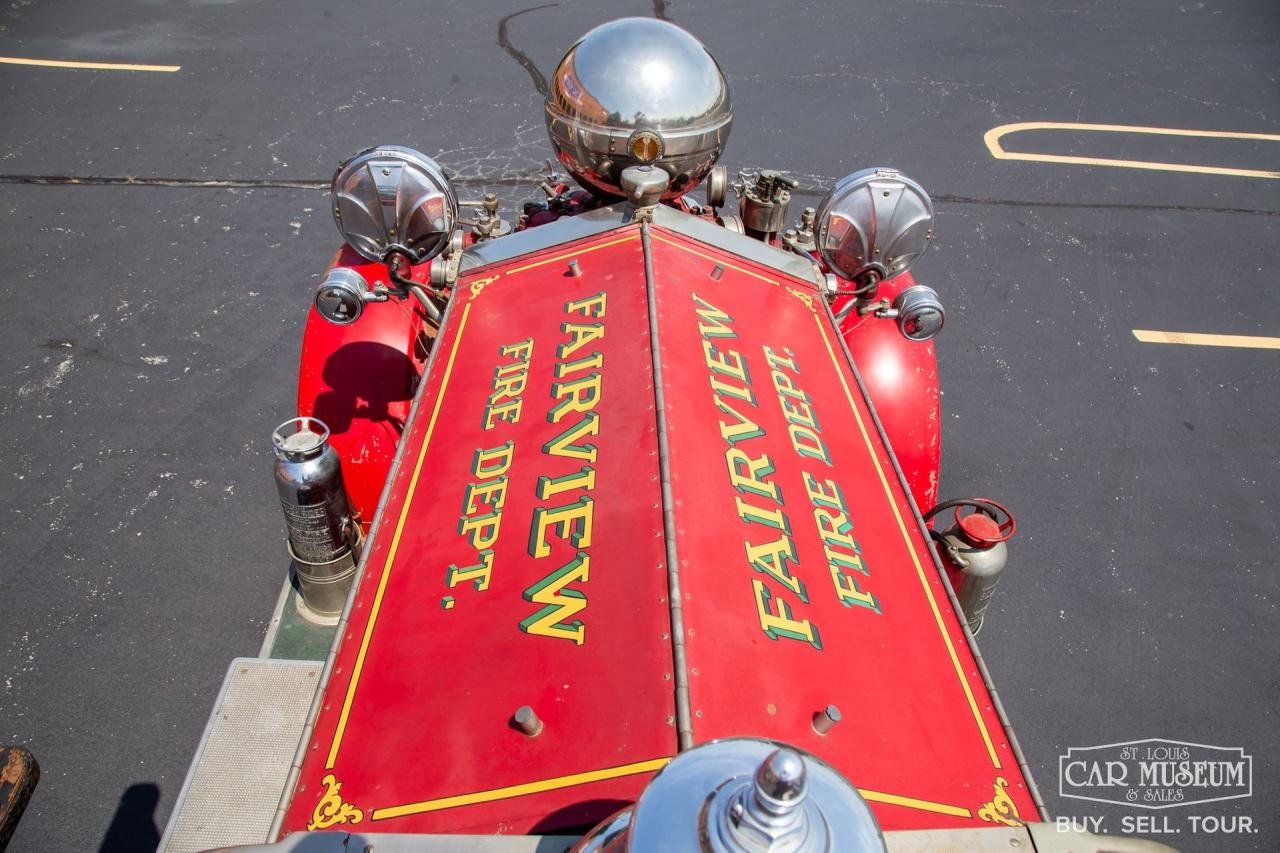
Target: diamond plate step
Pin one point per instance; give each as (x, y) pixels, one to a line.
(233, 788)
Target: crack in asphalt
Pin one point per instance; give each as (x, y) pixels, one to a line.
(228, 183)
(1176, 208)
(539, 81)
(532, 179)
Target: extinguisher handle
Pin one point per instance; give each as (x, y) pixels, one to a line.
(1005, 523)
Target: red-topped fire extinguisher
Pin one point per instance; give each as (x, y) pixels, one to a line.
(973, 551)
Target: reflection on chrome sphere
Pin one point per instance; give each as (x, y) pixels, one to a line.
(634, 91)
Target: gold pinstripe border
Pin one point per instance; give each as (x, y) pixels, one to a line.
(521, 790)
(913, 803)
(391, 552)
(635, 769)
(915, 559)
(634, 235)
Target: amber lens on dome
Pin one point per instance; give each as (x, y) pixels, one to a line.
(645, 149)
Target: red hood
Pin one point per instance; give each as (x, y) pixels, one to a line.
(547, 499)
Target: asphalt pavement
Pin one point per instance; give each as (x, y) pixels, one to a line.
(151, 329)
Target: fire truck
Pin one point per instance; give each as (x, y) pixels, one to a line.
(617, 516)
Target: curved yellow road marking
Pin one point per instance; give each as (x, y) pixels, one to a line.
(993, 136)
(90, 66)
(1148, 336)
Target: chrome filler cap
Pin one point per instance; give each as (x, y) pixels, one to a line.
(747, 794)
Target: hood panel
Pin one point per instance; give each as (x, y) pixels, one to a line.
(806, 580)
(556, 477)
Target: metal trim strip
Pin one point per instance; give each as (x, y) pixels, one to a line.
(565, 230)
(684, 716)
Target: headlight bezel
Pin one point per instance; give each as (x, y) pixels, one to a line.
(873, 220)
(392, 200)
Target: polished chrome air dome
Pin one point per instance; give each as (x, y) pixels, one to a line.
(638, 91)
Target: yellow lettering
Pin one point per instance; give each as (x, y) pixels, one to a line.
(774, 518)
(830, 496)
(563, 368)
(551, 486)
(572, 522)
(771, 558)
(741, 429)
(714, 321)
(721, 387)
(580, 334)
(728, 363)
(493, 462)
(591, 306)
(521, 351)
(798, 412)
(563, 444)
(560, 604)
(509, 381)
(481, 530)
(808, 443)
(478, 574)
(786, 387)
(494, 492)
(747, 474)
(834, 528)
(782, 623)
(577, 395)
(777, 362)
(508, 412)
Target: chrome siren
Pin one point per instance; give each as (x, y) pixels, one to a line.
(874, 220)
(392, 200)
(637, 92)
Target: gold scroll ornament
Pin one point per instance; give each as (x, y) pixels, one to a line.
(1001, 808)
(331, 809)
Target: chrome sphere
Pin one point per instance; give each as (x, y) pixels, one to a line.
(638, 91)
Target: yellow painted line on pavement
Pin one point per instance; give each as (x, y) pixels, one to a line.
(993, 136)
(91, 66)
(1148, 336)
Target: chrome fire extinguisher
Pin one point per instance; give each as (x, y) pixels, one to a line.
(323, 538)
(973, 551)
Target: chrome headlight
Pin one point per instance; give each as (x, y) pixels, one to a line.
(875, 219)
(341, 296)
(389, 200)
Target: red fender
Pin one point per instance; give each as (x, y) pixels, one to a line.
(902, 380)
(360, 380)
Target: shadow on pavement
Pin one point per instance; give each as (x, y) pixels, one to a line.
(133, 826)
